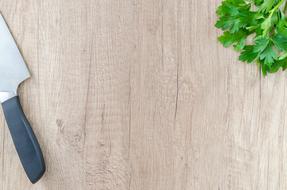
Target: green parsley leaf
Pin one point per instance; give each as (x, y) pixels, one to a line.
(268, 56)
(228, 39)
(261, 42)
(248, 54)
(280, 42)
(257, 29)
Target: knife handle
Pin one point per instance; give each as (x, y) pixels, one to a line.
(24, 139)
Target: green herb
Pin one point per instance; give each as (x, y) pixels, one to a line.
(257, 29)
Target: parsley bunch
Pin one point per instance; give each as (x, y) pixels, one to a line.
(257, 29)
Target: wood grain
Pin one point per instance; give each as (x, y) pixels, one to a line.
(138, 95)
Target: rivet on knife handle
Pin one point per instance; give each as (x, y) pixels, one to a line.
(13, 72)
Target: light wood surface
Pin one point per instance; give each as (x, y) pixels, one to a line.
(138, 95)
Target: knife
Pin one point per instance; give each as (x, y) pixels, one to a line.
(13, 71)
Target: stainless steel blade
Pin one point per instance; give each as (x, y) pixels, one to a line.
(13, 69)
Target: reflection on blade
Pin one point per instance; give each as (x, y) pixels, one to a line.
(12, 66)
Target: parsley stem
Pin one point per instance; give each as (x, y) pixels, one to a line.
(268, 22)
(276, 7)
(285, 8)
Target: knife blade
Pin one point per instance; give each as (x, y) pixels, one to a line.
(13, 71)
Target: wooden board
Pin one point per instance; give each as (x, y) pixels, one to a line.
(138, 95)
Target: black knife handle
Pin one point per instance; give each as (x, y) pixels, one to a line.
(24, 139)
